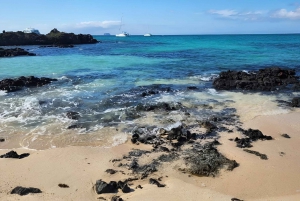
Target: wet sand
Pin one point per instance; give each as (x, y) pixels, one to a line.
(277, 178)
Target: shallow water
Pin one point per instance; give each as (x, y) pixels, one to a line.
(104, 82)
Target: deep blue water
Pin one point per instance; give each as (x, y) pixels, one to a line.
(100, 79)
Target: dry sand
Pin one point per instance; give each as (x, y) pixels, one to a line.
(277, 178)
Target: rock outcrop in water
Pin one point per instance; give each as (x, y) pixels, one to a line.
(11, 85)
(263, 80)
(54, 37)
(14, 52)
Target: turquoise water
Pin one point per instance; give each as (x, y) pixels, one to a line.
(101, 81)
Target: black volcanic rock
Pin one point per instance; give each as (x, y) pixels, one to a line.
(155, 182)
(13, 154)
(103, 187)
(295, 102)
(14, 52)
(25, 191)
(11, 85)
(263, 80)
(55, 37)
(262, 156)
(73, 115)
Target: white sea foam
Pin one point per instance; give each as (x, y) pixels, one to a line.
(119, 139)
(175, 125)
(3, 93)
(113, 110)
(214, 92)
(63, 78)
(205, 78)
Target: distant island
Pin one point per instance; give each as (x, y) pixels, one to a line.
(55, 37)
(106, 34)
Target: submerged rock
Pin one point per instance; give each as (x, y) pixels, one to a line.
(162, 106)
(24, 191)
(13, 154)
(59, 46)
(14, 52)
(263, 80)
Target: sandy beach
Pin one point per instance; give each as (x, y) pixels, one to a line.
(79, 167)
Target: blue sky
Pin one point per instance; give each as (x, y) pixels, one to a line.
(155, 16)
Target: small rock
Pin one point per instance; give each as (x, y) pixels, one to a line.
(63, 185)
(124, 187)
(103, 187)
(139, 186)
(2, 139)
(281, 153)
(13, 154)
(116, 198)
(235, 199)
(25, 191)
(155, 182)
(110, 171)
(285, 135)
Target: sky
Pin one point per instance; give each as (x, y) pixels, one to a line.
(159, 17)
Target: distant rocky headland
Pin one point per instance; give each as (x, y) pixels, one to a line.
(55, 37)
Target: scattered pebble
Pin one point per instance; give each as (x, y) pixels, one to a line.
(63, 185)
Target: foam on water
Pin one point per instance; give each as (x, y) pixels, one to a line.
(215, 92)
(3, 93)
(120, 138)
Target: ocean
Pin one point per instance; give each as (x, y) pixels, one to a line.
(105, 82)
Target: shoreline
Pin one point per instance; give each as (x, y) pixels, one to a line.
(254, 179)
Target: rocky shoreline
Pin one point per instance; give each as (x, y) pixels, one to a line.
(12, 52)
(54, 37)
(194, 152)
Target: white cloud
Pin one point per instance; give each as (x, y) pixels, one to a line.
(223, 13)
(285, 14)
(101, 24)
(237, 15)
